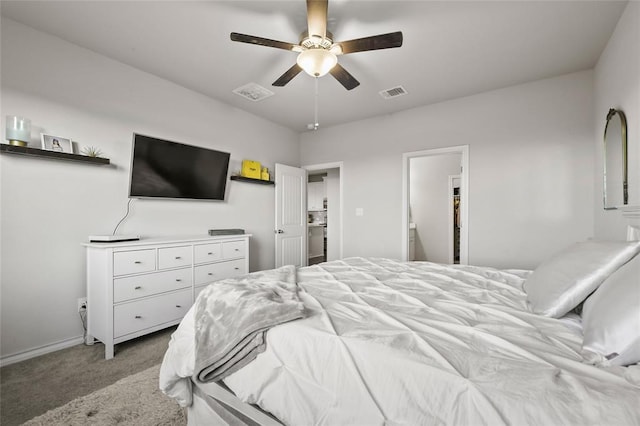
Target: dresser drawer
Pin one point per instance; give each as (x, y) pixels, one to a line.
(174, 257)
(134, 261)
(216, 271)
(234, 268)
(135, 316)
(207, 252)
(204, 274)
(147, 285)
(233, 249)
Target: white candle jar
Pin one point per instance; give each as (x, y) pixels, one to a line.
(18, 130)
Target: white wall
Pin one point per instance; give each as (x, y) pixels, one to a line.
(617, 85)
(48, 208)
(429, 200)
(531, 169)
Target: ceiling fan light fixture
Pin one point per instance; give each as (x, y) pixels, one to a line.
(317, 62)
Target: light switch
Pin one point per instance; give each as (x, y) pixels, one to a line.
(359, 211)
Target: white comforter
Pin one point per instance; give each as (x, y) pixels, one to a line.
(389, 342)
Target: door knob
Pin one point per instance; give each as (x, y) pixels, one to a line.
(279, 231)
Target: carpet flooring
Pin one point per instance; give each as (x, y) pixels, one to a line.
(132, 401)
(32, 387)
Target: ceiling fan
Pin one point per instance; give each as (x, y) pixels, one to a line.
(317, 52)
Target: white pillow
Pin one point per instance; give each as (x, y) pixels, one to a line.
(611, 316)
(560, 283)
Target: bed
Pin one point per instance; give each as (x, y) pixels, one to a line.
(387, 342)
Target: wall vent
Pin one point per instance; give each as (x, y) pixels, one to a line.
(393, 92)
(254, 92)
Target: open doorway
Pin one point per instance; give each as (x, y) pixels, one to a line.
(324, 210)
(453, 222)
(435, 203)
(317, 217)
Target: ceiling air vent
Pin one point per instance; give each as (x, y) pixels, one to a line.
(254, 92)
(393, 92)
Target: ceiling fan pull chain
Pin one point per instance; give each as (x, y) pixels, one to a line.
(315, 117)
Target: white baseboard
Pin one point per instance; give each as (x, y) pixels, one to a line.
(32, 353)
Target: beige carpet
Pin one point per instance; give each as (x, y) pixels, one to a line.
(31, 388)
(134, 400)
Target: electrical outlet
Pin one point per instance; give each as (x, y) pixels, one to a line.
(82, 304)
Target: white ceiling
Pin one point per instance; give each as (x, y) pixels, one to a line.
(451, 48)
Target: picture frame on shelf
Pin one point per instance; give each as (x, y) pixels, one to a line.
(56, 143)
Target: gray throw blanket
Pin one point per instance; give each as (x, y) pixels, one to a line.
(233, 316)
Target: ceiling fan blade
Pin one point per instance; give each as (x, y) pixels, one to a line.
(244, 38)
(343, 76)
(287, 76)
(317, 18)
(381, 41)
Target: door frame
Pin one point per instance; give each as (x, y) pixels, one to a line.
(464, 197)
(451, 223)
(336, 165)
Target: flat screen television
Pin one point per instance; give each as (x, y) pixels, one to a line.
(165, 169)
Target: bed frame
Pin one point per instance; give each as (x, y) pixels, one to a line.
(215, 403)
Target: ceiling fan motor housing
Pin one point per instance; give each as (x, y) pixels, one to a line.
(316, 41)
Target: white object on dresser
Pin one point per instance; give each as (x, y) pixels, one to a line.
(138, 287)
(112, 238)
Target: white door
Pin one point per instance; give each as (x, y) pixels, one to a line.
(291, 216)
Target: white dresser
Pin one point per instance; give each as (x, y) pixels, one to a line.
(138, 287)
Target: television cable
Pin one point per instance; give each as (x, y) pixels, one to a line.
(125, 216)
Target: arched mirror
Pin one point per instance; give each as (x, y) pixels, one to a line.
(615, 160)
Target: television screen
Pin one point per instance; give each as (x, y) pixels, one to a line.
(165, 169)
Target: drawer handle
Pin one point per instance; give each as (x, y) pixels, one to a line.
(236, 268)
(137, 262)
(210, 254)
(178, 257)
(138, 287)
(209, 273)
(138, 317)
(178, 279)
(178, 306)
(237, 249)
